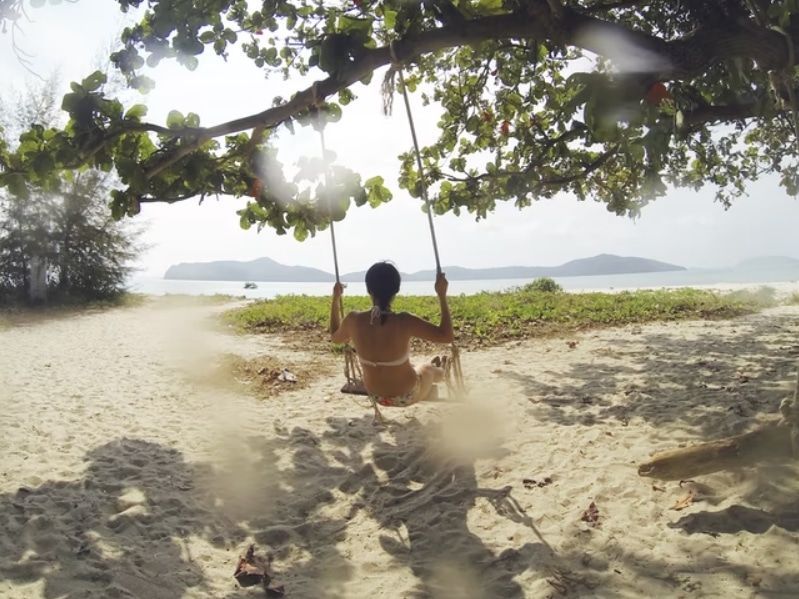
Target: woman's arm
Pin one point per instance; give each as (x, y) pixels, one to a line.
(342, 333)
(443, 333)
(446, 320)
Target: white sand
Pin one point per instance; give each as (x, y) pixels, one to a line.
(122, 475)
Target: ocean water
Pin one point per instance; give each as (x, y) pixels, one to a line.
(655, 280)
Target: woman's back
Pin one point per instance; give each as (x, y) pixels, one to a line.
(383, 349)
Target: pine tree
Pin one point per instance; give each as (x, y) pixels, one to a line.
(88, 255)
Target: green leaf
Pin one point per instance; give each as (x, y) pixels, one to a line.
(490, 6)
(376, 193)
(332, 112)
(389, 18)
(136, 112)
(175, 119)
(515, 100)
(71, 101)
(142, 83)
(192, 120)
(94, 81)
(300, 232)
(345, 96)
(637, 152)
(348, 24)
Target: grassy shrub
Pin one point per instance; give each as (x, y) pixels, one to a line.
(544, 285)
(494, 317)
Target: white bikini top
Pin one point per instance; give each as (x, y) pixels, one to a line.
(397, 362)
(377, 313)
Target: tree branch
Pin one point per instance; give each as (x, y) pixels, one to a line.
(717, 114)
(679, 59)
(587, 170)
(676, 59)
(562, 180)
(176, 156)
(147, 199)
(599, 7)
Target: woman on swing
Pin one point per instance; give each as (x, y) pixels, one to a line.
(382, 339)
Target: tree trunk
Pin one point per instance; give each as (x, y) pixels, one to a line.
(37, 290)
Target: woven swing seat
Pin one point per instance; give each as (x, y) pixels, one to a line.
(352, 373)
(354, 388)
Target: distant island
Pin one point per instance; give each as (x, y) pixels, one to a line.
(766, 263)
(268, 270)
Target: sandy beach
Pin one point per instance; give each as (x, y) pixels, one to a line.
(128, 471)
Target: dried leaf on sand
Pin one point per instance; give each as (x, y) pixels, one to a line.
(686, 501)
(591, 515)
(253, 569)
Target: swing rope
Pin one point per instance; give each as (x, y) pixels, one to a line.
(453, 373)
(419, 165)
(352, 370)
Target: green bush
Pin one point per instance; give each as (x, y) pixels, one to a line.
(543, 285)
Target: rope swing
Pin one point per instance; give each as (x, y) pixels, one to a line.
(453, 374)
(352, 369)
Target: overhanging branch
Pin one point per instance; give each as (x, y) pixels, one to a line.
(680, 58)
(563, 179)
(707, 115)
(671, 60)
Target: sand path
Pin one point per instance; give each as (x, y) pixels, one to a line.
(122, 474)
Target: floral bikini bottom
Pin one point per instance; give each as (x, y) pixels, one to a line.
(399, 401)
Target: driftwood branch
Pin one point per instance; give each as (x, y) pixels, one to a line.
(777, 440)
(772, 442)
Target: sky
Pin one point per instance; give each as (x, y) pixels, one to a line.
(685, 227)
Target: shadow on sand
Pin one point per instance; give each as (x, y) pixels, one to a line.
(127, 526)
(123, 529)
(711, 384)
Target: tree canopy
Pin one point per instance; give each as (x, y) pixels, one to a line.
(609, 100)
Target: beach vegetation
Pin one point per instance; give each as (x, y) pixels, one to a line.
(792, 299)
(492, 318)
